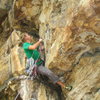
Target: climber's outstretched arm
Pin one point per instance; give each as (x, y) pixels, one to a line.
(34, 46)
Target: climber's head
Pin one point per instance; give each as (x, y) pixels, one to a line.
(26, 37)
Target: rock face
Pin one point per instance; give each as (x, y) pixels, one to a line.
(71, 33)
(30, 90)
(11, 62)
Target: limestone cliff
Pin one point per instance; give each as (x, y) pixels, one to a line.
(71, 33)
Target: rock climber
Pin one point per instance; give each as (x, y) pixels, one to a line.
(30, 49)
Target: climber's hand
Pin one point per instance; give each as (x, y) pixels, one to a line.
(34, 46)
(40, 40)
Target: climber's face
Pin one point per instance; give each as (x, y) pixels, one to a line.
(27, 37)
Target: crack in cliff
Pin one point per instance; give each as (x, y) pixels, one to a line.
(88, 53)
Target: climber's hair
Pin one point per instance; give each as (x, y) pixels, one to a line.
(23, 36)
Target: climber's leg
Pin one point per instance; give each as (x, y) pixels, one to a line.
(45, 71)
(64, 86)
(61, 84)
(54, 78)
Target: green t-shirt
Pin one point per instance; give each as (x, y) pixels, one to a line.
(31, 53)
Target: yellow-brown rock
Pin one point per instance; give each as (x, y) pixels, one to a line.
(12, 57)
(71, 33)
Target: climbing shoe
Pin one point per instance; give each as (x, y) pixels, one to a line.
(68, 88)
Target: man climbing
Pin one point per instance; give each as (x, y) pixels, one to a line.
(31, 51)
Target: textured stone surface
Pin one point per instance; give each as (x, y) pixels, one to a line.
(12, 58)
(71, 33)
(29, 91)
